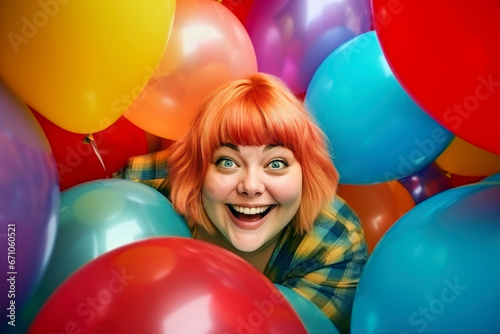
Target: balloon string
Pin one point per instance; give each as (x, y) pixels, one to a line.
(90, 139)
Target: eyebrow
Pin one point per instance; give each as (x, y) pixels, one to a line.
(231, 146)
(270, 146)
(234, 147)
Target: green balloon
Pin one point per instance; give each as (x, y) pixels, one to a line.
(96, 217)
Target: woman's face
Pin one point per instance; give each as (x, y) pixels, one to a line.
(250, 193)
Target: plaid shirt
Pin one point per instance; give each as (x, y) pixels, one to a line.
(323, 265)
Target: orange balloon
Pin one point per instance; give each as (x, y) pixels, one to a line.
(208, 46)
(378, 206)
(466, 159)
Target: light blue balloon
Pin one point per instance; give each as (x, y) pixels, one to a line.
(96, 217)
(314, 320)
(436, 270)
(377, 132)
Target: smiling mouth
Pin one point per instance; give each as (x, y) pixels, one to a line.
(250, 214)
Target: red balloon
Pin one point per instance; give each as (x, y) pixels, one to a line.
(461, 180)
(446, 55)
(167, 285)
(77, 161)
(239, 8)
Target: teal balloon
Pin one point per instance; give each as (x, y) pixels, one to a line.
(436, 269)
(377, 132)
(314, 320)
(96, 217)
(492, 178)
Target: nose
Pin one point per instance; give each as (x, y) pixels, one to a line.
(251, 184)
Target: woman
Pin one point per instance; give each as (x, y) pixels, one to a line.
(253, 175)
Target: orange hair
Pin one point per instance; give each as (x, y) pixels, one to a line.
(257, 110)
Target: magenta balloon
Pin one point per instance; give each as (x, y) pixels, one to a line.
(292, 37)
(29, 203)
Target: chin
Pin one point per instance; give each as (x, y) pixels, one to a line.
(246, 247)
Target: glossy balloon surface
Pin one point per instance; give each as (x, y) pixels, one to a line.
(208, 47)
(29, 203)
(445, 54)
(78, 62)
(292, 37)
(97, 217)
(427, 182)
(377, 132)
(314, 320)
(378, 206)
(466, 159)
(436, 269)
(168, 285)
(79, 161)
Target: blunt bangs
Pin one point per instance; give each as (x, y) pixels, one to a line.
(255, 116)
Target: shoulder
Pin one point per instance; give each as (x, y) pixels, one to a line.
(149, 169)
(324, 265)
(335, 239)
(336, 229)
(338, 222)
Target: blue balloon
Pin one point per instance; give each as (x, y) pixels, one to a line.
(96, 217)
(314, 320)
(377, 132)
(436, 270)
(492, 178)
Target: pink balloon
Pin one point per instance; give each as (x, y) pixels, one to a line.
(292, 37)
(208, 46)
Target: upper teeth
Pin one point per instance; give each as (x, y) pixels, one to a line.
(250, 211)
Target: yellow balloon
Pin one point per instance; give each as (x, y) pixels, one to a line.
(81, 63)
(466, 159)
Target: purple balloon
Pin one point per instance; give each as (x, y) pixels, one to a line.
(425, 183)
(291, 38)
(29, 203)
